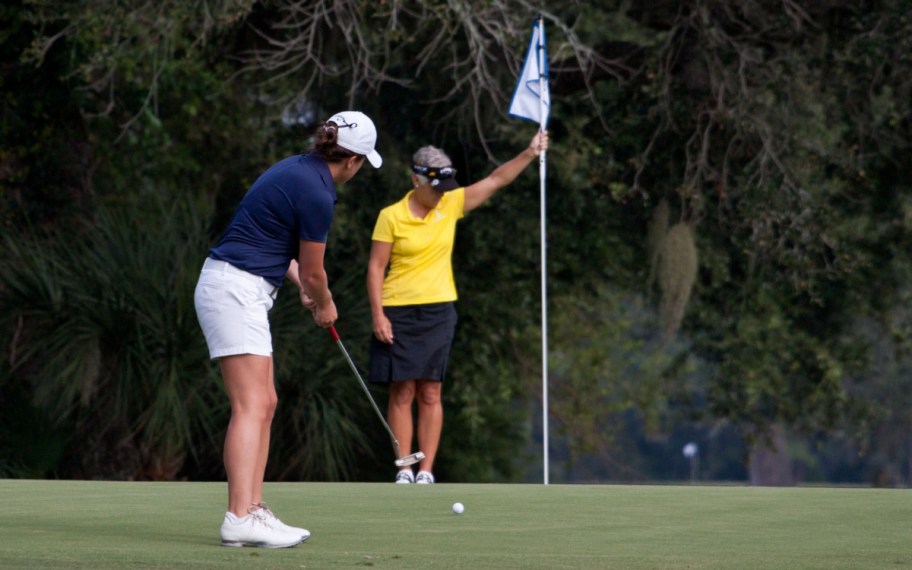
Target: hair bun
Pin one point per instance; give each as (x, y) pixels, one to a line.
(331, 130)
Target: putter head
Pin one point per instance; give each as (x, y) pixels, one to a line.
(410, 459)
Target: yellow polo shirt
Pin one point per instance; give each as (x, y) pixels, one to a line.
(420, 268)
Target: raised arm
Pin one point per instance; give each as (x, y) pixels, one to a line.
(479, 192)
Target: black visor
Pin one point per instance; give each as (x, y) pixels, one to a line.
(443, 178)
(444, 185)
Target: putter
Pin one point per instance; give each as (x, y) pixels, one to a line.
(400, 461)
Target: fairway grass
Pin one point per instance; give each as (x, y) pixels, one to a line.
(89, 524)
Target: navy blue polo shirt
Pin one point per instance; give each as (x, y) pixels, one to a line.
(293, 200)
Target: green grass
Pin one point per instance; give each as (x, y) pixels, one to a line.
(87, 524)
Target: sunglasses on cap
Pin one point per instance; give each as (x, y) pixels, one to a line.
(438, 172)
(441, 178)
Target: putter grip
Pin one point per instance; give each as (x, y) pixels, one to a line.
(332, 331)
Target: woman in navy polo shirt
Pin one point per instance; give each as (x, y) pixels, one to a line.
(279, 231)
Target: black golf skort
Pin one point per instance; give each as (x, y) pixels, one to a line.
(422, 338)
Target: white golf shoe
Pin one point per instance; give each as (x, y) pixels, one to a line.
(256, 530)
(405, 477)
(263, 509)
(424, 478)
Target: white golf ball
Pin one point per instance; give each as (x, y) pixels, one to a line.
(458, 508)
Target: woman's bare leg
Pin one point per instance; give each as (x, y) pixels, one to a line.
(264, 440)
(251, 391)
(399, 413)
(430, 421)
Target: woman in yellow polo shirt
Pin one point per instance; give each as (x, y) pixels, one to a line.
(412, 304)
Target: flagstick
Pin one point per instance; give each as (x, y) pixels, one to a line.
(522, 105)
(544, 257)
(544, 317)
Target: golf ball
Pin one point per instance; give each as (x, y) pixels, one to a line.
(458, 508)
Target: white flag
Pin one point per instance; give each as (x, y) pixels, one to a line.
(531, 99)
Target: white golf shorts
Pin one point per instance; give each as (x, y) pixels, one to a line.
(232, 306)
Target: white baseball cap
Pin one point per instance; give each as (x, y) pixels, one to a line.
(358, 134)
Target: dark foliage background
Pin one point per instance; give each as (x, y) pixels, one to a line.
(728, 214)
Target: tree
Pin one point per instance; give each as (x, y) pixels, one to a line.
(772, 135)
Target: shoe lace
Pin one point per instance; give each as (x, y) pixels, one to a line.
(262, 506)
(261, 514)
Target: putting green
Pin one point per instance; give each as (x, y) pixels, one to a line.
(87, 524)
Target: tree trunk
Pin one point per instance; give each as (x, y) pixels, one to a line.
(770, 464)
